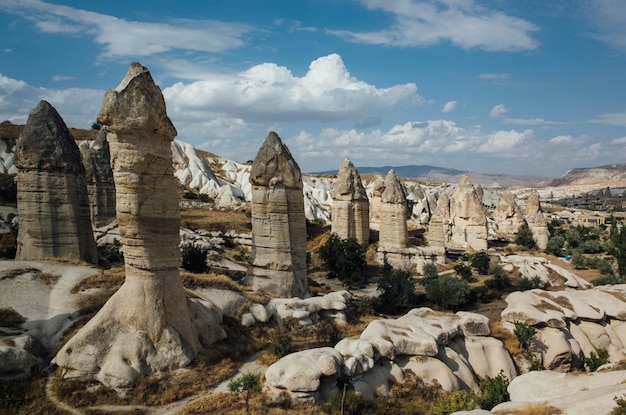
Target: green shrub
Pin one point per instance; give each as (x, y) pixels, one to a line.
(203, 197)
(345, 259)
(281, 344)
(349, 403)
(524, 237)
(594, 361)
(556, 246)
(533, 361)
(460, 400)
(480, 261)
(112, 253)
(464, 271)
(525, 283)
(397, 291)
(500, 280)
(620, 408)
(448, 292)
(190, 195)
(430, 273)
(194, 259)
(578, 260)
(524, 332)
(608, 280)
(493, 391)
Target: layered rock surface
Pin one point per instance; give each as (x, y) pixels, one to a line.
(469, 222)
(148, 325)
(393, 233)
(350, 217)
(99, 176)
(51, 193)
(278, 257)
(536, 221)
(507, 215)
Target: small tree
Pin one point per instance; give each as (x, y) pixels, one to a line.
(524, 237)
(463, 271)
(524, 333)
(480, 261)
(345, 259)
(493, 391)
(430, 273)
(617, 247)
(397, 290)
(246, 385)
(447, 292)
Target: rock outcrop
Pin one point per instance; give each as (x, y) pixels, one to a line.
(393, 233)
(453, 350)
(536, 221)
(99, 176)
(52, 200)
(507, 216)
(468, 219)
(440, 226)
(148, 325)
(278, 257)
(350, 217)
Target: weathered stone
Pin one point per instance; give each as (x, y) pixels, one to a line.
(278, 257)
(350, 214)
(52, 200)
(468, 220)
(507, 216)
(393, 232)
(99, 176)
(148, 325)
(302, 371)
(440, 226)
(536, 221)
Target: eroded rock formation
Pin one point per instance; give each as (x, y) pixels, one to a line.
(440, 226)
(536, 221)
(148, 325)
(468, 220)
(393, 232)
(99, 176)
(507, 215)
(350, 217)
(278, 258)
(52, 197)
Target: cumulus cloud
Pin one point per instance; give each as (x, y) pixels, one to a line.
(463, 23)
(270, 92)
(77, 106)
(608, 19)
(449, 106)
(612, 118)
(498, 111)
(120, 37)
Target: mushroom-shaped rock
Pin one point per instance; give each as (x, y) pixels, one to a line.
(350, 214)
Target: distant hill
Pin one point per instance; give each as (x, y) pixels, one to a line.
(611, 175)
(446, 175)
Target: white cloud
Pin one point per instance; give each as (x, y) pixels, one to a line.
(620, 141)
(612, 118)
(528, 121)
(58, 78)
(8, 50)
(121, 37)
(561, 139)
(608, 18)
(77, 106)
(268, 92)
(462, 23)
(498, 111)
(449, 106)
(493, 76)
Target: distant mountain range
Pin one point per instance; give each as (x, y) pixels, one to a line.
(610, 175)
(445, 175)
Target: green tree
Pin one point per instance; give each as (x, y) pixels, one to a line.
(617, 247)
(556, 245)
(500, 280)
(397, 290)
(447, 291)
(345, 259)
(463, 271)
(525, 238)
(480, 261)
(246, 385)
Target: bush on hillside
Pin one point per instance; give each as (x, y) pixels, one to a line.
(524, 237)
(345, 259)
(194, 259)
(480, 261)
(448, 292)
(397, 291)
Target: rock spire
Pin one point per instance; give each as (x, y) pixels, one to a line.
(350, 217)
(278, 257)
(52, 197)
(393, 232)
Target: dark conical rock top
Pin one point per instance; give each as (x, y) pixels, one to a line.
(46, 143)
(348, 185)
(274, 165)
(394, 190)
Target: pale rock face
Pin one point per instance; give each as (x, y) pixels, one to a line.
(148, 325)
(536, 221)
(99, 175)
(52, 200)
(393, 232)
(350, 217)
(278, 257)
(377, 187)
(507, 215)
(440, 226)
(301, 371)
(468, 219)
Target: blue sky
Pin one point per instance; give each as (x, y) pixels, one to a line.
(503, 86)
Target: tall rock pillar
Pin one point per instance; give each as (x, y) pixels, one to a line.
(148, 325)
(469, 222)
(52, 201)
(99, 176)
(393, 232)
(278, 257)
(350, 217)
(536, 221)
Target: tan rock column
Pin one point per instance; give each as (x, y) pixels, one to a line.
(350, 217)
(52, 201)
(536, 221)
(278, 257)
(469, 222)
(393, 232)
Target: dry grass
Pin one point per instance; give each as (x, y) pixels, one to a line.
(16, 272)
(10, 318)
(27, 398)
(505, 336)
(228, 403)
(107, 279)
(216, 220)
(211, 280)
(540, 408)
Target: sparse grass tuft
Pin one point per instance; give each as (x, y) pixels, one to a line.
(540, 408)
(211, 280)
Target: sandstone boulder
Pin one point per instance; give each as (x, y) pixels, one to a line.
(278, 257)
(52, 200)
(350, 214)
(302, 371)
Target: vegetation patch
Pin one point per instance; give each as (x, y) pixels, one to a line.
(211, 280)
